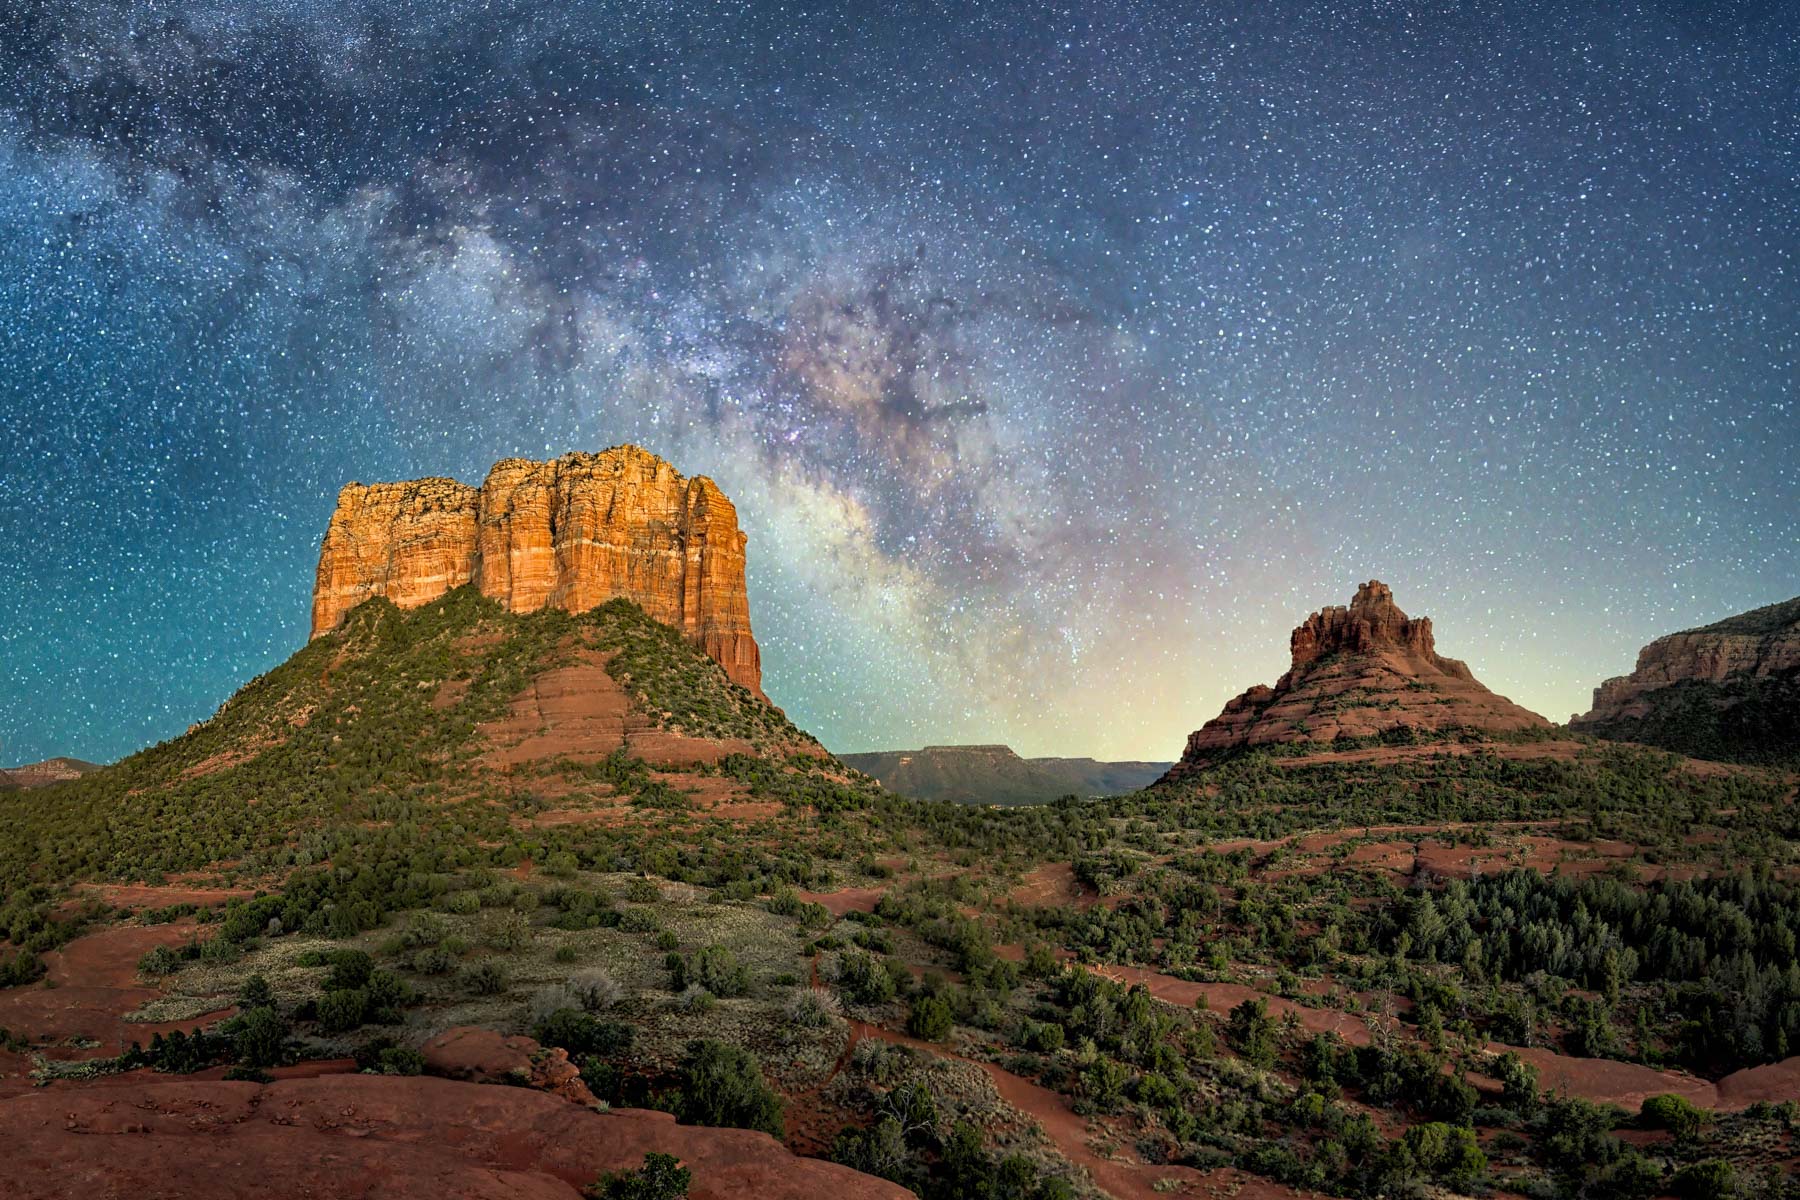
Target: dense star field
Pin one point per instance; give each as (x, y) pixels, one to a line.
(1059, 358)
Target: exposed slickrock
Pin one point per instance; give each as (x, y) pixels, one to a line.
(571, 533)
(1727, 689)
(580, 712)
(369, 1136)
(1358, 671)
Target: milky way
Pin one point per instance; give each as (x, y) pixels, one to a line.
(1059, 358)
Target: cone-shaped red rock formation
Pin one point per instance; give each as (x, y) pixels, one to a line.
(571, 533)
(1357, 671)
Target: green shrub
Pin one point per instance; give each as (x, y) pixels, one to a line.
(158, 962)
(1713, 1179)
(864, 980)
(639, 920)
(507, 930)
(930, 1019)
(723, 1085)
(433, 960)
(485, 978)
(399, 1060)
(463, 904)
(256, 994)
(580, 1033)
(718, 971)
(258, 1036)
(26, 967)
(662, 1177)
(343, 1009)
(1446, 1152)
(1252, 1033)
(1677, 1114)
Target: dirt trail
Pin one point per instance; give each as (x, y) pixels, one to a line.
(137, 895)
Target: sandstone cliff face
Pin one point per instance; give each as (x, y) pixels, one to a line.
(1357, 671)
(1760, 644)
(571, 533)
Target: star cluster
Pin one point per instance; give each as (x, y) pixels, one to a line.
(1059, 357)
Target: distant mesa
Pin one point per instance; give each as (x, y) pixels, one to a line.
(570, 533)
(42, 774)
(1360, 671)
(996, 775)
(1729, 690)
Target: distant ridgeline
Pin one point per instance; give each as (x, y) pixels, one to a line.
(42, 774)
(996, 775)
(1728, 691)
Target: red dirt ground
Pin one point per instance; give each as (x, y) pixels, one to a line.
(846, 900)
(581, 712)
(135, 895)
(1055, 883)
(1223, 997)
(90, 985)
(364, 1136)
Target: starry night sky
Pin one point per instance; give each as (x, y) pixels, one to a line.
(1059, 357)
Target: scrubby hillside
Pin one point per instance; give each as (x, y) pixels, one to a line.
(1426, 963)
(383, 731)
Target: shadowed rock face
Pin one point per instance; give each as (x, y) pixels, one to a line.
(1357, 671)
(571, 533)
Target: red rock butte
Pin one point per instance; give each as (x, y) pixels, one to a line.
(571, 533)
(1359, 671)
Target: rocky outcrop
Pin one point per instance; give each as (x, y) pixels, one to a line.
(1727, 690)
(571, 533)
(1762, 643)
(996, 775)
(42, 774)
(1364, 670)
(476, 1055)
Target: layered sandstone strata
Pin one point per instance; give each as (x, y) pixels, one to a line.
(1763, 644)
(1364, 670)
(571, 533)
